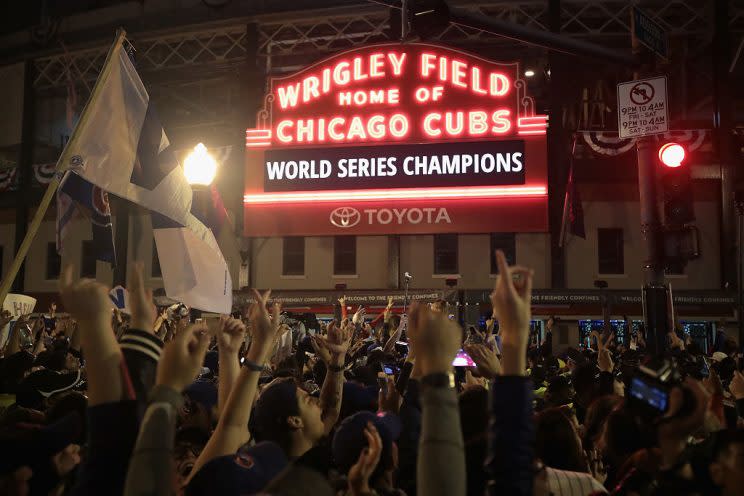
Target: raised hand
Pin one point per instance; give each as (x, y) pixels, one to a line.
(488, 363)
(140, 299)
(511, 300)
(737, 385)
(230, 335)
(86, 300)
(318, 344)
(358, 317)
(265, 327)
(337, 341)
(388, 398)
(363, 469)
(435, 339)
(182, 358)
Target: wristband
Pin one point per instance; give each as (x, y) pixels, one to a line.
(336, 368)
(251, 365)
(438, 380)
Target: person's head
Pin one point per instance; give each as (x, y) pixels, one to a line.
(557, 442)
(596, 416)
(622, 436)
(349, 441)
(246, 472)
(474, 415)
(200, 401)
(550, 323)
(439, 306)
(288, 416)
(560, 391)
(730, 347)
(727, 466)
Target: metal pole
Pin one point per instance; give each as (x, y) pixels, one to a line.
(740, 267)
(654, 290)
(723, 123)
(404, 20)
(545, 39)
(24, 167)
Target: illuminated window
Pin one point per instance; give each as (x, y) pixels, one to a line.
(445, 254)
(293, 256)
(506, 242)
(53, 262)
(344, 255)
(610, 250)
(87, 260)
(156, 270)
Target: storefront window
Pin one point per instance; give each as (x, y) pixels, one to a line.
(344, 255)
(293, 258)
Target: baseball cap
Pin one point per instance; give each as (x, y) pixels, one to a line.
(719, 356)
(277, 401)
(202, 392)
(246, 472)
(349, 440)
(33, 444)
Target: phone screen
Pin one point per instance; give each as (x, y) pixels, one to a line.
(649, 394)
(462, 359)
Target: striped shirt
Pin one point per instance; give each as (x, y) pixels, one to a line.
(564, 483)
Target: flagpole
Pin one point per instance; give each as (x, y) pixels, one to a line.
(62, 164)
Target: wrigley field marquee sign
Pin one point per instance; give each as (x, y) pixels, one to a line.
(397, 138)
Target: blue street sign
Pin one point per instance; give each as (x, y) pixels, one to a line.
(650, 33)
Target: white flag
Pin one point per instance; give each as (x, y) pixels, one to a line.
(121, 147)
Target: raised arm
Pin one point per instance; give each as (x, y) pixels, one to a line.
(89, 303)
(149, 470)
(336, 342)
(232, 427)
(440, 468)
(230, 336)
(511, 452)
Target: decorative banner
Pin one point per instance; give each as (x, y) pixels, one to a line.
(414, 138)
(9, 179)
(610, 144)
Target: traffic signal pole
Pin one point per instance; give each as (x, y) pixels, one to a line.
(655, 313)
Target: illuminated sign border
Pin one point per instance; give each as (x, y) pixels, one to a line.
(528, 125)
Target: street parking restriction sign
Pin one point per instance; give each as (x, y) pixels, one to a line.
(642, 108)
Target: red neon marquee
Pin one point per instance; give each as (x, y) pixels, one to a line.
(393, 93)
(355, 107)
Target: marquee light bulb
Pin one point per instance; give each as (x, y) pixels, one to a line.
(200, 167)
(529, 73)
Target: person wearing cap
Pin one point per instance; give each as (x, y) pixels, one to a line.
(282, 405)
(350, 442)
(149, 469)
(289, 416)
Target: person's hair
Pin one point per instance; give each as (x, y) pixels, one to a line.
(624, 435)
(556, 442)
(725, 439)
(730, 347)
(288, 368)
(596, 416)
(474, 415)
(278, 430)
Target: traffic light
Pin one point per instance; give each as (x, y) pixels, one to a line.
(676, 184)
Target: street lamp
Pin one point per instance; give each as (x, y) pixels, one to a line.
(200, 167)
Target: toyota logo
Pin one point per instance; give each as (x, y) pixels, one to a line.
(345, 217)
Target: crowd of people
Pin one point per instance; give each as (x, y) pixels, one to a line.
(151, 403)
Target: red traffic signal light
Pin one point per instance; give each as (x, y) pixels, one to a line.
(672, 154)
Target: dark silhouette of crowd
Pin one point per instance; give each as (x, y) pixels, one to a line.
(262, 402)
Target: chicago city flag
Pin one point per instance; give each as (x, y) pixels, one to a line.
(120, 147)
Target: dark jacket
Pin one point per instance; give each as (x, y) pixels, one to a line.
(511, 455)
